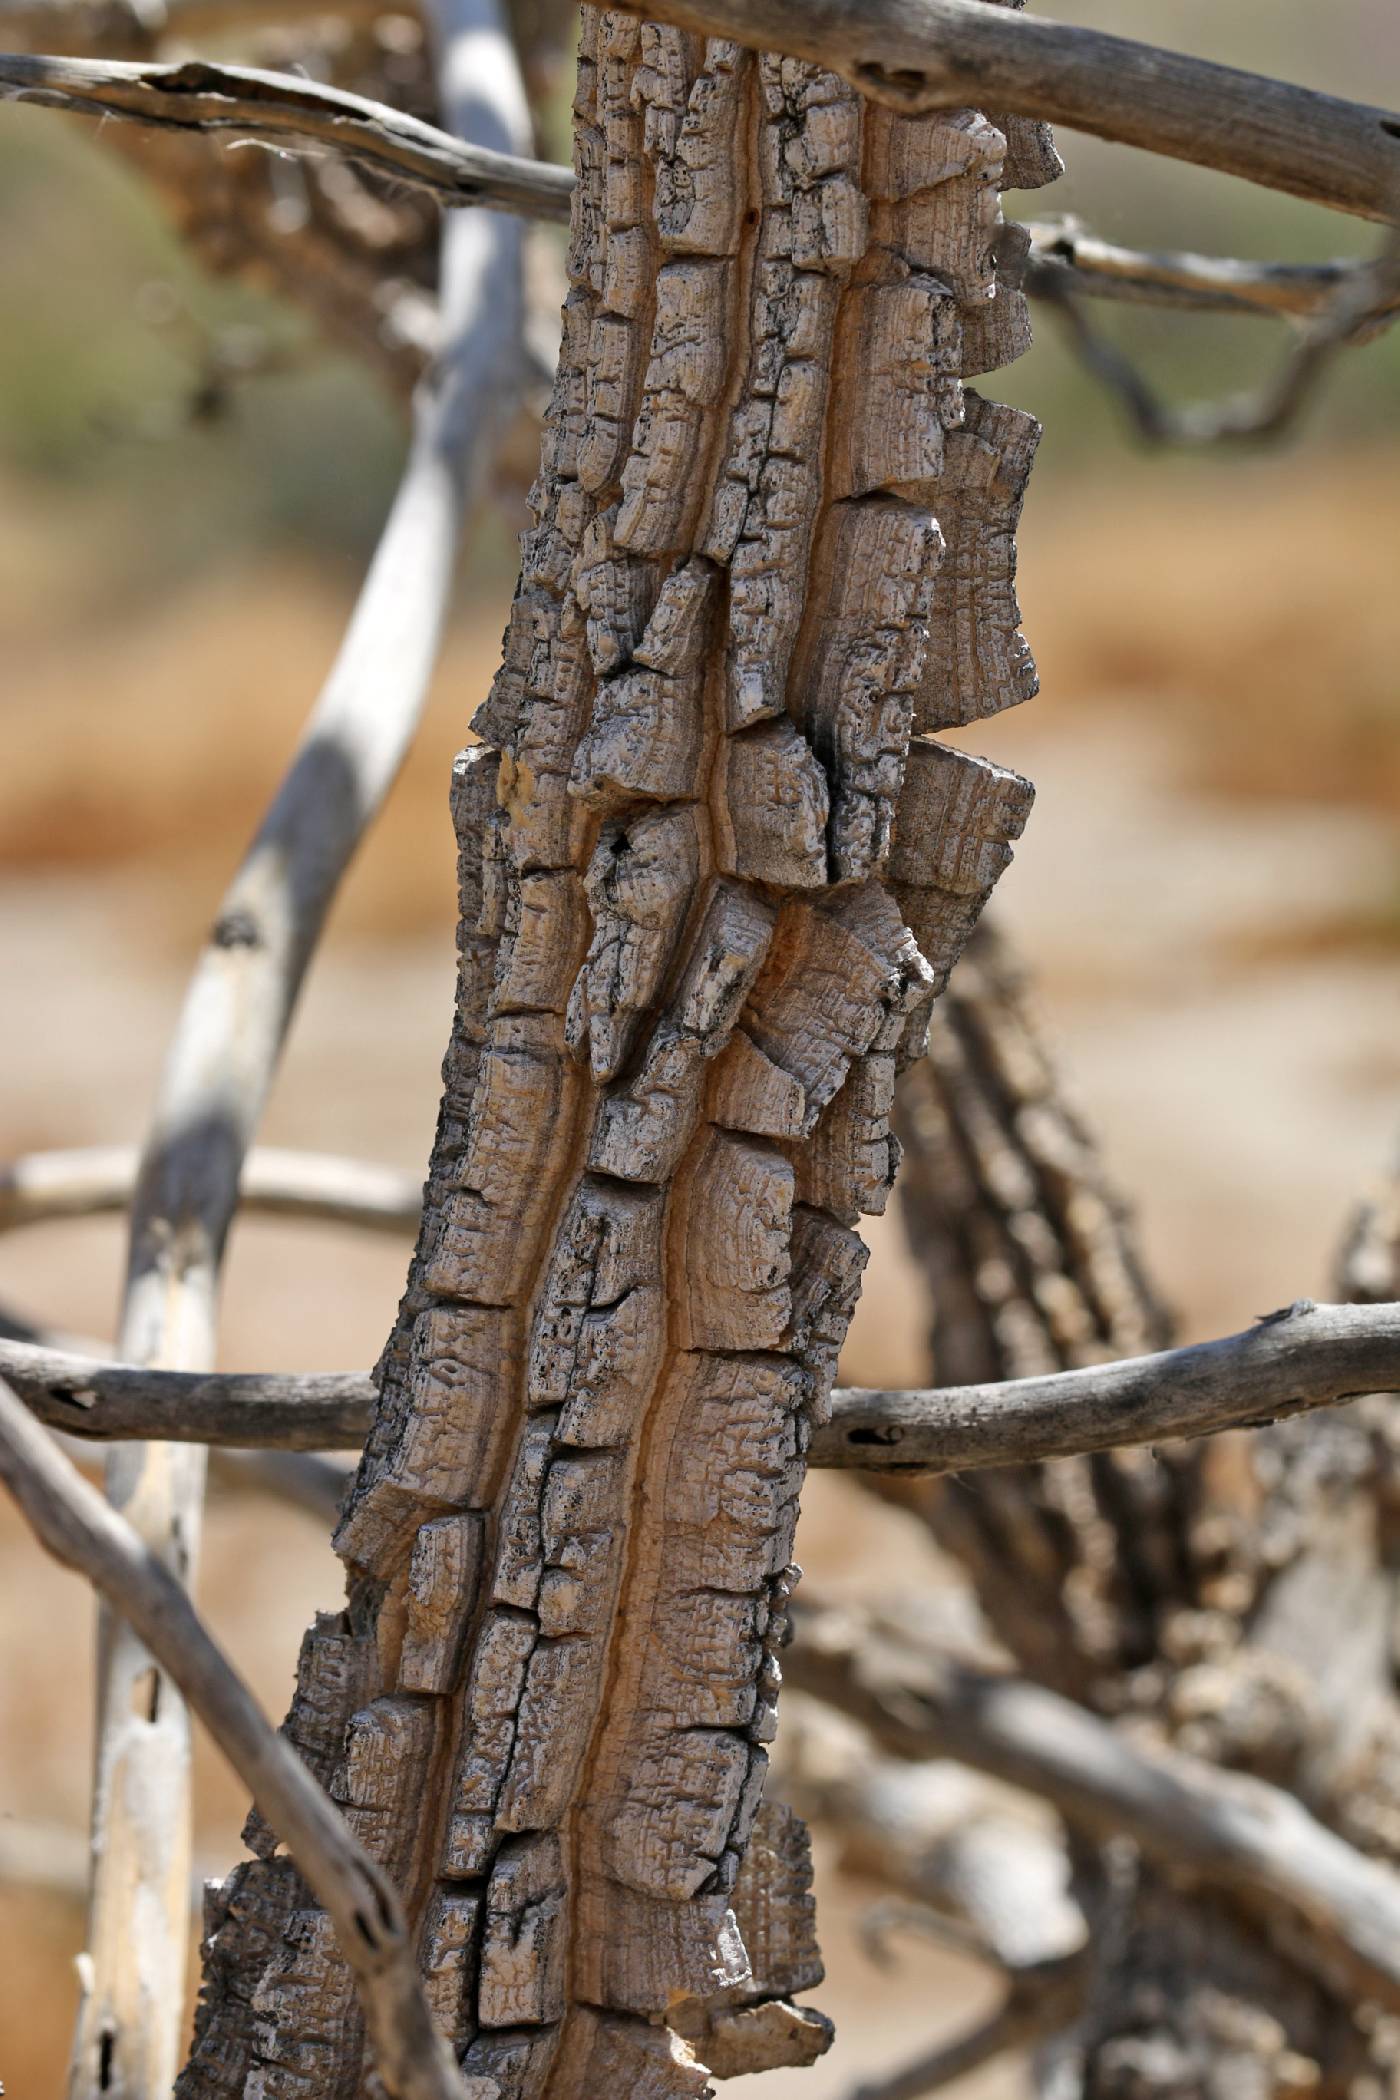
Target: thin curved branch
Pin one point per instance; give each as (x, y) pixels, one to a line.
(280, 110)
(943, 54)
(136, 25)
(1368, 294)
(1024, 2016)
(89, 1181)
(78, 1528)
(1304, 1357)
(1065, 257)
(1234, 1831)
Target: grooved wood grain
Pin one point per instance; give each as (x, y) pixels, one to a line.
(714, 869)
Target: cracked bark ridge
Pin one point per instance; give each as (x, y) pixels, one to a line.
(695, 838)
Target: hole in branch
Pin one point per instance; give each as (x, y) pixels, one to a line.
(899, 80)
(145, 1696)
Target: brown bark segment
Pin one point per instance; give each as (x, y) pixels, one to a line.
(684, 991)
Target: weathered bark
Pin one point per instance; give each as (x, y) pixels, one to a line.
(690, 842)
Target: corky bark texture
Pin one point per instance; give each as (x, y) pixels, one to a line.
(1234, 1598)
(715, 866)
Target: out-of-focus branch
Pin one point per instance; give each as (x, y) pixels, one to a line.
(235, 1018)
(944, 54)
(111, 26)
(280, 110)
(1031, 2010)
(1234, 1831)
(92, 1180)
(1368, 293)
(1065, 258)
(78, 1527)
(1368, 1261)
(1304, 1357)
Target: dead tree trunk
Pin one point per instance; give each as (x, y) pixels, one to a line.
(710, 886)
(1234, 1598)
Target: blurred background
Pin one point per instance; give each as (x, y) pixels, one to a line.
(1209, 889)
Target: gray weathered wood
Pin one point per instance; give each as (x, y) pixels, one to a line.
(1310, 1356)
(1304, 1356)
(943, 54)
(1068, 257)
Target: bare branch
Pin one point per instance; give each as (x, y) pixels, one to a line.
(110, 1402)
(76, 1525)
(1368, 1260)
(1029, 2012)
(136, 25)
(90, 1180)
(942, 54)
(1065, 257)
(234, 1021)
(279, 109)
(915, 54)
(1367, 293)
(1234, 1831)
(1304, 1357)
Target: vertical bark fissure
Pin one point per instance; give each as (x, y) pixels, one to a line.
(707, 799)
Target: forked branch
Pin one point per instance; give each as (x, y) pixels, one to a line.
(1359, 301)
(75, 1524)
(1066, 257)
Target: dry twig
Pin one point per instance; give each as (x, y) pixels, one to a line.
(1304, 1356)
(111, 26)
(1366, 294)
(281, 110)
(1027, 2014)
(1065, 256)
(77, 1526)
(91, 1180)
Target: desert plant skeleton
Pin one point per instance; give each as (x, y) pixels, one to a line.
(715, 868)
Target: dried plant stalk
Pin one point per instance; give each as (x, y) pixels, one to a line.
(707, 801)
